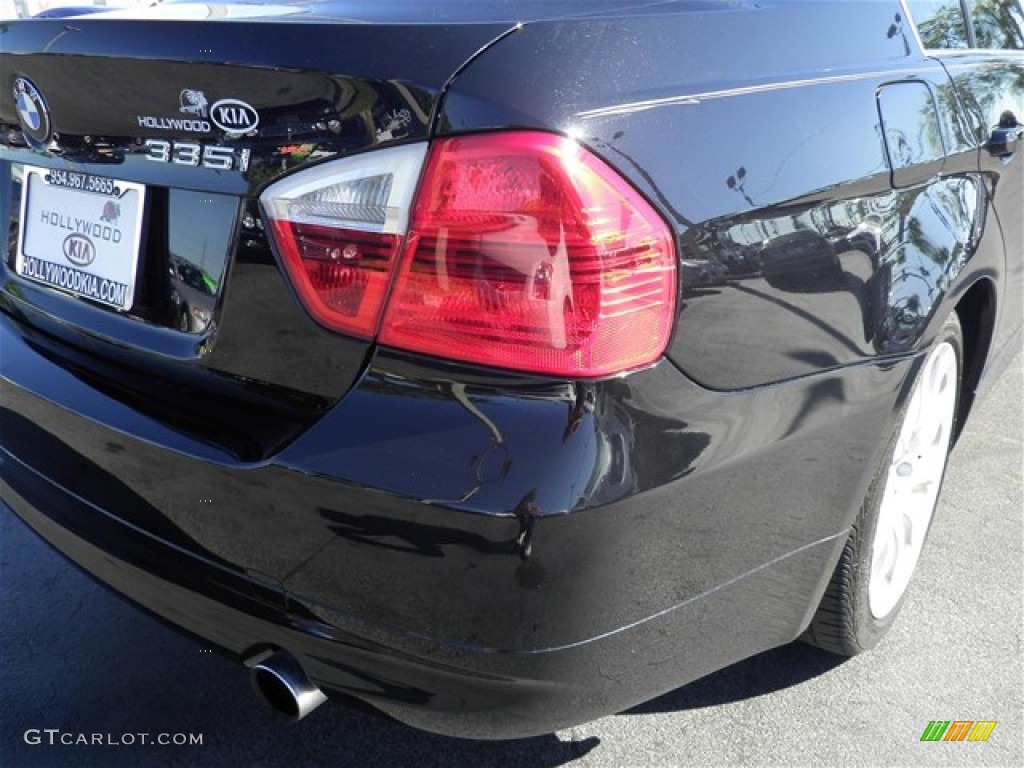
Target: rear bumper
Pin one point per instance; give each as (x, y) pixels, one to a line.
(455, 691)
(482, 613)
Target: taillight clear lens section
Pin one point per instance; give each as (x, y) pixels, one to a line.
(339, 229)
(528, 253)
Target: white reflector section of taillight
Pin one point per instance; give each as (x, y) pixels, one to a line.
(339, 227)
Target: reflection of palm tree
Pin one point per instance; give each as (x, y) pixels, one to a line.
(902, 152)
(896, 28)
(946, 29)
(923, 244)
(979, 89)
(999, 24)
(737, 182)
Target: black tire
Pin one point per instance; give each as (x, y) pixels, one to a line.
(844, 623)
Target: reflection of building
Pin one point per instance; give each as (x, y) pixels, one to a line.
(894, 252)
(842, 215)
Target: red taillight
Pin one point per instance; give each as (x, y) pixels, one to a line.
(341, 275)
(523, 252)
(526, 252)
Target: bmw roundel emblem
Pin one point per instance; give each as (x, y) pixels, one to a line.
(32, 112)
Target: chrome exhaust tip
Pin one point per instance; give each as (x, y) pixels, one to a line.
(278, 679)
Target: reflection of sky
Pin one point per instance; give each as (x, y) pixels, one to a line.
(200, 229)
(798, 156)
(784, 158)
(191, 11)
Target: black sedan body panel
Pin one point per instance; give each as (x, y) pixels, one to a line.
(480, 552)
(725, 121)
(225, 382)
(443, 611)
(990, 87)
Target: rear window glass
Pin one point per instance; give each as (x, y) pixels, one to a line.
(940, 23)
(998, 24)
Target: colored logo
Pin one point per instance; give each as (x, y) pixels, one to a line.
(958, 730)
(79, 250)
(32, 112)
(234, 116)
(111, 212)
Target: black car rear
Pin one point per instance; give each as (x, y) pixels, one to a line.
(398, 368)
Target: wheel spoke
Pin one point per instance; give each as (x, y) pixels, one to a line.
(912, 483)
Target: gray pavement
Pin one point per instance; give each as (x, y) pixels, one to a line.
(77, 659)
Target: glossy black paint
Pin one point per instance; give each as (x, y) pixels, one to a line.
(780, 150)
(215, 353)
(990, 87)
(479, 553)
(514, 603)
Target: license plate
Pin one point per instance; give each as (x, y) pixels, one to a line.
(80, 233)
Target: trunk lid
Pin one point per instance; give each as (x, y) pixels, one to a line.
(161, 135)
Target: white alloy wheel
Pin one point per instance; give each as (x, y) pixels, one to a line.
(914, 478)
(871, 576)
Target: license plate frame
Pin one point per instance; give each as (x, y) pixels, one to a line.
(80, 233)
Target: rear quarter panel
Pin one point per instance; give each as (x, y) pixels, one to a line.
(824, 189)
(990, 84)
